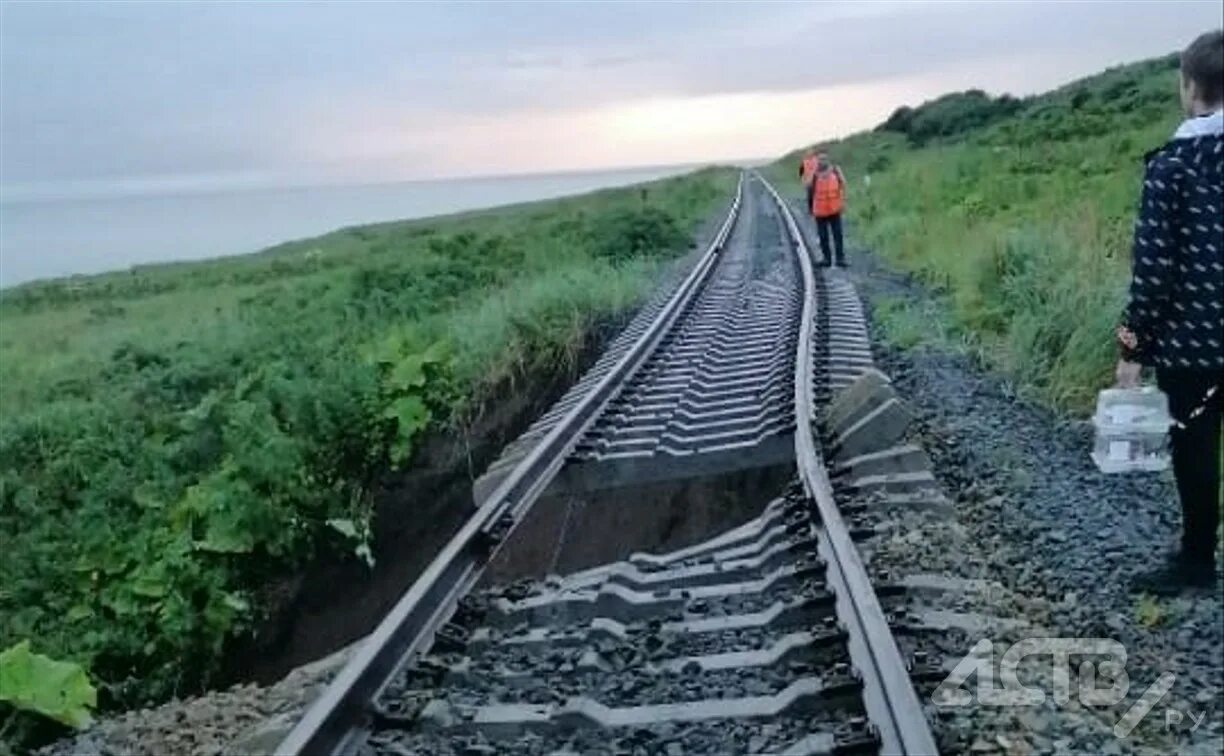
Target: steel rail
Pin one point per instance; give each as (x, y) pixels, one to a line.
(335, 718)
(891, 702)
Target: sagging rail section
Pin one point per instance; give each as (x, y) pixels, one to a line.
(339, 721)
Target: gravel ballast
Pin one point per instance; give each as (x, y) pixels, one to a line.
(244, 719)
(1056, 544)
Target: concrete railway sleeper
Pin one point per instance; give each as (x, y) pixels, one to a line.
(766, 638)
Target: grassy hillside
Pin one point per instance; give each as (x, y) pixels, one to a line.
(1019, 212)
(174, 435)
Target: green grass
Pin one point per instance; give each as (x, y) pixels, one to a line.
(174, 436)
(1018, 213)
(907, 323)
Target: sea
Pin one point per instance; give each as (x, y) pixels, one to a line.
(49, 237)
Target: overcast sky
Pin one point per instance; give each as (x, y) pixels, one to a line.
(260, 93)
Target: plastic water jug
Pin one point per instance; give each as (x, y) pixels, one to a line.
(1132, 430)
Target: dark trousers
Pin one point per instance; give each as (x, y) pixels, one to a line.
(1196, 456)
(823, 226)
(810, 190)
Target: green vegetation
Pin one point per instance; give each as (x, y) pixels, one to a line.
(1019, 212)
(175, 436)
(906, 323)
(949, 115)
(59, 690)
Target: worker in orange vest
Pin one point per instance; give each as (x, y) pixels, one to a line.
(828, 197)
(807, 171)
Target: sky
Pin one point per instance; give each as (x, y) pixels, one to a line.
(133, 95)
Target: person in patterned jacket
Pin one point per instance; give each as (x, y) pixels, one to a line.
(1175, 319)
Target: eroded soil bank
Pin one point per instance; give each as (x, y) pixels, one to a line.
(340, 599)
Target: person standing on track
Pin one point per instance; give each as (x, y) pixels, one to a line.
(807, 172)
(827, 198)
(1175, 319)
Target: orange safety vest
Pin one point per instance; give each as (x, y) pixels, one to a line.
(808, 169)
(828, 197)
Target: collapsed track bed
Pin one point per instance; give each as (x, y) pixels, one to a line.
(766, 638)
(651, 668)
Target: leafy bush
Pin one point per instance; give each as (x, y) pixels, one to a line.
(417, 385)
(636, 232)
(949, 115)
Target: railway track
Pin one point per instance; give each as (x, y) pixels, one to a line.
(767, 638)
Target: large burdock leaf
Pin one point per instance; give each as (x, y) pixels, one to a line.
(219, 502)
(55, 689)
(227, 533)
(410, 415)
(409, 373)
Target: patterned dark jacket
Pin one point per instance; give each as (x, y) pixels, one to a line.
(1176, 312)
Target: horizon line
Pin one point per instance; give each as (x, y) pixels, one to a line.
(110, 189)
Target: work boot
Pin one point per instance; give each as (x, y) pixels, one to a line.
(1178, 573)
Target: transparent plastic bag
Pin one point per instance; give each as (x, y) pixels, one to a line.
(1132, 430)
